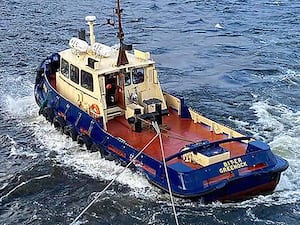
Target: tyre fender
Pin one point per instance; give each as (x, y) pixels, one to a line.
(83, 139)
(48, 113)
(70, 131)
(59, 122)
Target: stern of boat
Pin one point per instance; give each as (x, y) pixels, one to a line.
(256, 172)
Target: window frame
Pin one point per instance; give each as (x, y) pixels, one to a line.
(77, 80)
(88, 87)
(133, 75)
(62, 69)
(130, 79)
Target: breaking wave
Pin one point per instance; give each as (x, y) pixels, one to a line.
(280, 127)
(68, 152)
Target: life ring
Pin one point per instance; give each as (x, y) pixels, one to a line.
(95, 111)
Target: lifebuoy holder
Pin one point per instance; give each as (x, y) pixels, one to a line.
(95, 111)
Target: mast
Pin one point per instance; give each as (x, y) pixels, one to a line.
(122, 58)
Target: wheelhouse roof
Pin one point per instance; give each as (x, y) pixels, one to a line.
(107, 64)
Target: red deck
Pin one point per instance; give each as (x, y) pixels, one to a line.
(180, 133)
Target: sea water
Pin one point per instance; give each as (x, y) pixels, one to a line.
(237, 62)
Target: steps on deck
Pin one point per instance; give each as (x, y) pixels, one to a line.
(113, 112)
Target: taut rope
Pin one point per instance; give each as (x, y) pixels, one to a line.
(111, 182)
(156, 127)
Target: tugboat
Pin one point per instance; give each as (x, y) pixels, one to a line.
(110, 100)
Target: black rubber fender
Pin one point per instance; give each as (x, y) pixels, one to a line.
(39, 73)
(59, 123)
(70, 131)
(95, 148)
(83, 139)
(80, 140)
(48, 113)
(105, 154)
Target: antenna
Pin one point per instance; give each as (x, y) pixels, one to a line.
(122, 58)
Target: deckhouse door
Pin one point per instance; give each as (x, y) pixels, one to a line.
(121, 91)
(111, 89)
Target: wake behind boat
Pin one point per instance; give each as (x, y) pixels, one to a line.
(110, 100)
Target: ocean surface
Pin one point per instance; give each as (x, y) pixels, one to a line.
(237, 62)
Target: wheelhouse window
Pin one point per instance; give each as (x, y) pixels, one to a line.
(87, 80)
(64, 69)
(138, 75)
(74, 74)
(127, 79)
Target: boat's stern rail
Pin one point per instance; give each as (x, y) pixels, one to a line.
(215, 127)
(183, 111)
(206, 153)
(188, 180)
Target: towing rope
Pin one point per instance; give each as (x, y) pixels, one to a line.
(179, 137)
(112, 181)
(157, 129)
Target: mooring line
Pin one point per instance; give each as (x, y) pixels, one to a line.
(112, 181)
(156, 127)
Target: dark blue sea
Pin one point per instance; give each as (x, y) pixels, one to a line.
(237, 62)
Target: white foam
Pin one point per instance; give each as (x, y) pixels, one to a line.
(21, 185)
(281, 126)
(20, 151)
(21, 107)
(276, 121)
(239, 123)
(267, 119)
(219, 26)
(286, 145)
(69, 152)
(72, 155)
(291, 77)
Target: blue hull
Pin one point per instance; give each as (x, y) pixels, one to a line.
(205, 183)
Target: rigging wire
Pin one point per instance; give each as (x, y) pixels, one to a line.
(157, 129)
(112, 181)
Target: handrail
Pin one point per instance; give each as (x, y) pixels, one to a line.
(206, 145)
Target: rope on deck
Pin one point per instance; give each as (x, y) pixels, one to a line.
(175, 135)
(112, 181)
(156, 127)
